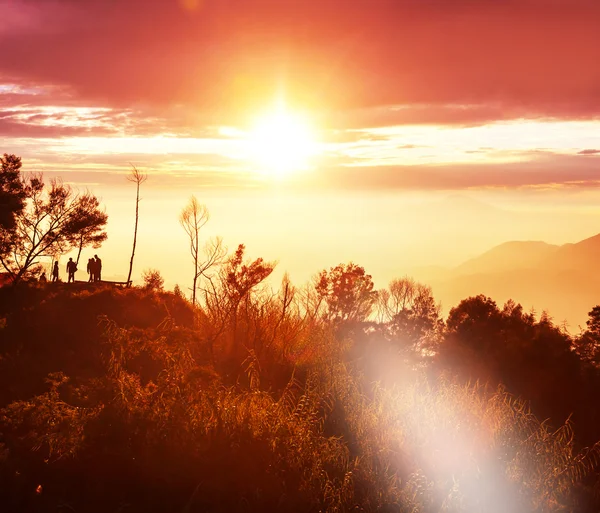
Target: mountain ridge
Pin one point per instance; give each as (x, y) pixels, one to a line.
(563, 280)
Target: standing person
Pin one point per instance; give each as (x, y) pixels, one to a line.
(43, 278)
(98, 268)
(91, 269)
(71, 268)
(55, 272)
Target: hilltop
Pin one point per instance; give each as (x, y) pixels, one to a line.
(258, 402)
(58, 327)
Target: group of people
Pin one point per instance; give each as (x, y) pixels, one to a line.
(94, 269)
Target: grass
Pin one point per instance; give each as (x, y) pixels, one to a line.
(254, 406)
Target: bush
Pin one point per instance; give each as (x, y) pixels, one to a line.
(153, 280)
(138, 399)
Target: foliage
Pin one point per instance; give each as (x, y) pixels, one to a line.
(587, 345)
(255, 402)
(88, 224)
(347, 291)
(239, 278)
(410, 313)
(54, 220)
(153, 280)
(49, 424)
(12, 191)
(178, 292)
(533, 359)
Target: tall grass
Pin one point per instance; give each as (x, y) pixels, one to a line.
(255, 407)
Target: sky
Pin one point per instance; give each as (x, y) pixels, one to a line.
(438, 128)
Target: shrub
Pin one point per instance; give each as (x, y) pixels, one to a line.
(153, 280)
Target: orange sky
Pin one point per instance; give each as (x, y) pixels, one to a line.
(441, 127)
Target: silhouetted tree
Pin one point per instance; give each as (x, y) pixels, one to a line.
(398, 296)
(475, 339)
(193, 218)
(593, 323)
(153, 280)
(239, 278)
(224, 293)
(587, 345)
(347, 291)
(137, 177)
(178, 292)
(410, 313)
(12, 191)
(89, 224)
(532, 359)
(51, 223)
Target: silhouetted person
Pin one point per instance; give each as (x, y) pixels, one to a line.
(43, 278)
(98, 263)
(71, 268)
(55, 272)
(91, 269)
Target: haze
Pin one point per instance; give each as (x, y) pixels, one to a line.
(441, 129)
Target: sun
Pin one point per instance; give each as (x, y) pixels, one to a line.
(282, 143)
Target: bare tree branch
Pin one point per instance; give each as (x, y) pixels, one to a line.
(193, 218)
(138, 177)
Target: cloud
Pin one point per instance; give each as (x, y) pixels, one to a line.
(96, 69)
(535, 170)
(453, 114)
(226, 59)
(11, 128)
(35, 111)
(178, 171)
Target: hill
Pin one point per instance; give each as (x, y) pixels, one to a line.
(114, 400)
(563, 280)
(508, 256)
(583, 256)
(58, 328)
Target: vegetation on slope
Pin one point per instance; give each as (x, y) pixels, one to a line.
(295, 400)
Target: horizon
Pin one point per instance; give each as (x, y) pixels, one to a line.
(302, 259)
(313, 142)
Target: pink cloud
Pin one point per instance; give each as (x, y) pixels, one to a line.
(529, 56)
(541, 169)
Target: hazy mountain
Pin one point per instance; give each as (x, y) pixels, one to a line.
(584, 255)
(509, 256)
(564, 280)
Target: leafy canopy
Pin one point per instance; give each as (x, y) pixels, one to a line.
(43, 221)
(347, 291)
(12, 190)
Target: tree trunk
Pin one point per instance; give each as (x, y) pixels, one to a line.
(80, 248)
(195, 270)
(137, 205)
(194, 289)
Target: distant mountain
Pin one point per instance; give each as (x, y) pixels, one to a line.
(564, 280)
(584, 255)
(509, 256)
